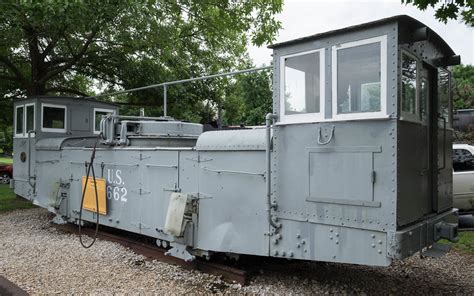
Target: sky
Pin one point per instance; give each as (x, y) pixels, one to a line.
(301, 18)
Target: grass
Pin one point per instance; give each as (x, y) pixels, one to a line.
(6, 160)
(9, 201)
(465, 243)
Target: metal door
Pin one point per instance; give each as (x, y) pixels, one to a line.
(425, 145)
(444, 177)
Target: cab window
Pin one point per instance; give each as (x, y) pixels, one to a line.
(98, 113)
(303, 86)
(53, 118)
(30, 117)
(444, 96)
(409, 85)
(20, 120)
(25, 120)
(359, 79)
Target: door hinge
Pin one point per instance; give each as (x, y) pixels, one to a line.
(372, 176)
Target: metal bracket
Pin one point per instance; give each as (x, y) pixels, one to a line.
(161, 166)
(47, 161)
(180, 251)
(199, 159)
(437, 250)
(141, 157)
(175, 189)
(233, 172)
(141, 191)
(58, 220)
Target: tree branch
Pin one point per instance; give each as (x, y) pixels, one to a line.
(74, 60)
(12, 67)
(67, 90)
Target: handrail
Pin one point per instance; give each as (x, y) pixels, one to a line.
(444, 143)
(269, 120)
(33, 185)
(165, 85)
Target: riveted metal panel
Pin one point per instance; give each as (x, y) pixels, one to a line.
(232, 202)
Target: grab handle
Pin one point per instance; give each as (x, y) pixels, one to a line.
(328, 140)
(444, 143)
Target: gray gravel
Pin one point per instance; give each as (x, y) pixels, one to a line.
(42, 260)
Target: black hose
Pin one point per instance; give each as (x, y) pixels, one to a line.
(91, 167)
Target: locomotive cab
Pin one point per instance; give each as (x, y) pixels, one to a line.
(42, 126)
(364, 125)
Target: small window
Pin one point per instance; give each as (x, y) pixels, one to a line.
(53, 118)
(30, 118)
(20, 121)
(359, 79)
(463, 160)
(302, 87)
(409, 86)
(444, 96)
(98, 113)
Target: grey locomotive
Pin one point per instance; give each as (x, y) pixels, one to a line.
(352, 166)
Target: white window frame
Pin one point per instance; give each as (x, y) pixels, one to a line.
(34, 119)
(383, 80)
(54, 130)
(306, 117)
(407, 116)
(22, 134)
(100, 110)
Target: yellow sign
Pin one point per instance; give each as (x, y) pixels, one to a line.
(89, 198)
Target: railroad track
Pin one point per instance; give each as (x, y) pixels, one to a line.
(152, 252)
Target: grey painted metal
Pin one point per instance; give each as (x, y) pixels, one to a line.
(363, 191)
(227, 140)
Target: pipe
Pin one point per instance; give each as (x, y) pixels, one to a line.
(268, 125)
(165, 100)
(181, 81)
(119, 117)
(33, 185)
(124, 129)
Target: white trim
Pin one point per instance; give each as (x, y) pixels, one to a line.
(361, 117)
(404, 115)
(383, 80)
(54, 130)
(34, 119)
(100, 110)
(307, 117)
(22, 134)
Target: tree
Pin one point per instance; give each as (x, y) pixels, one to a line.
(463, 86)
(69, 47)
(249, 99)
(445, 10)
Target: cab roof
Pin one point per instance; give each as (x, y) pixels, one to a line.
(403, 20)
(59, 98)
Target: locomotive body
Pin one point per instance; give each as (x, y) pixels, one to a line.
(352, 166)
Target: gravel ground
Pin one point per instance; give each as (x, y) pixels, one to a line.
(42, 260)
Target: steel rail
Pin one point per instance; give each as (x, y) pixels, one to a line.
(152, 252)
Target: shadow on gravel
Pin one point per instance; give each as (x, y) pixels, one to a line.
(414, 275)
